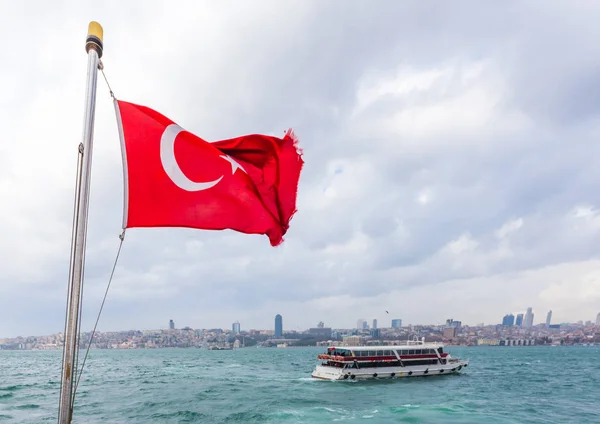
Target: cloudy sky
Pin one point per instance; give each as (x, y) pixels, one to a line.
(451, 160)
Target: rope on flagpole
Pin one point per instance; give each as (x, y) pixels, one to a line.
(101, 67)
(122, 238)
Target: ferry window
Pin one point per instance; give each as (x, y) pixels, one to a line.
(411, 352)
(417, 351)
(372, 353)
(380, 353)
(386, 353)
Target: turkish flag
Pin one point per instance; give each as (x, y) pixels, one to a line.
(174, 178)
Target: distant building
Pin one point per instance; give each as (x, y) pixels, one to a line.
(352, 340)
(508, 320)
(321, 324)
(450, 332)
(488, 342)
(236, 327)
(528, 320)
(521, 342)
(453, 324)
(171, 325)
(365, 325)
(374, 326)
(360, 324)
(598, 319)
(549, 318)
(375, 333)
(278, 326)
(396, 323)
(519, 322)
(321, 332)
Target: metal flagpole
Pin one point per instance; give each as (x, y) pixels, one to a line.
(93, 46)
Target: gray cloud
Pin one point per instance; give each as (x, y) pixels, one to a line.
(449, 155)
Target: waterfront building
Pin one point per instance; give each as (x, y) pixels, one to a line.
(519, 322)
(549, 318)
(528, 320)
(508, 320)
(278, 326)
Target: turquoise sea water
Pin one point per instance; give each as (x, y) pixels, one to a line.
(501, 385)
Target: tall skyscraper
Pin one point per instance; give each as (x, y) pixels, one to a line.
(549, 318)
(598, 319)
(236, 327)
(508, 320)
(396, 323)
(519, 322)
(528, 320)
(171, 325)
(278, 326)
(360, 324)
(374, 326)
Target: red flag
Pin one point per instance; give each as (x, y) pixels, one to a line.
(174, 178)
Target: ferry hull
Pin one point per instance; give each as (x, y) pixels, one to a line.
(332, 373)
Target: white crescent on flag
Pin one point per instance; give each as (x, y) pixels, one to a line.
(172, 169)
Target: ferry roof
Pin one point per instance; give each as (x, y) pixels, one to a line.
(432, 345)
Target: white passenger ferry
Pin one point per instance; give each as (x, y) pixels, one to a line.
(415, 358)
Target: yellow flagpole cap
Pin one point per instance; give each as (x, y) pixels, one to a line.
(95, 37)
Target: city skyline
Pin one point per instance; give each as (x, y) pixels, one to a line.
(381, 323)
(453, 333)
(236, 326)
(438, 163)
(450, 324)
